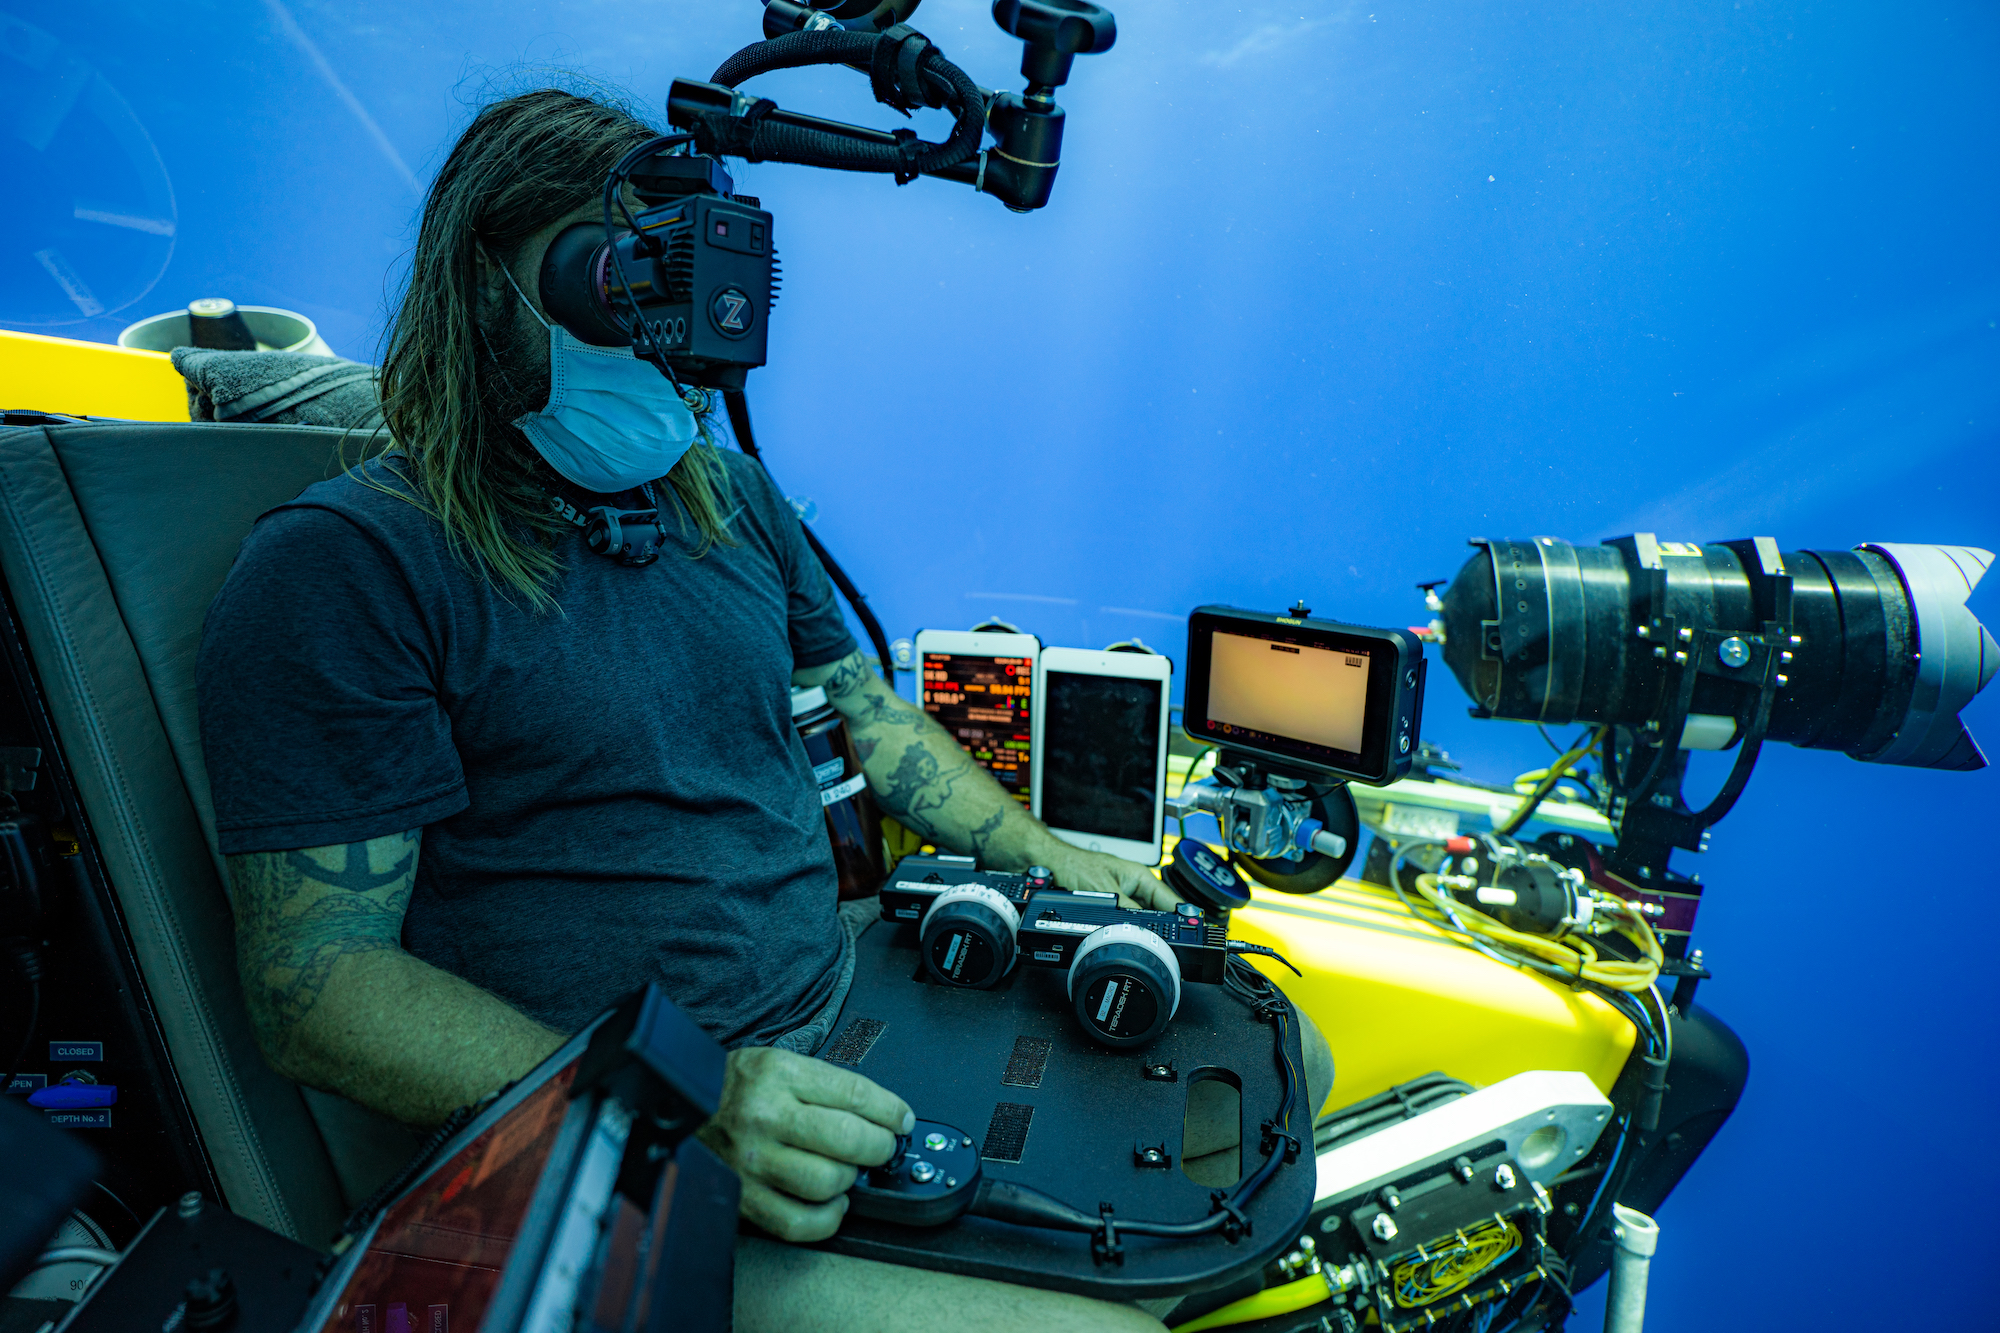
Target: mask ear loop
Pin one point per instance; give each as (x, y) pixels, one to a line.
(697, 400)
(506, 273)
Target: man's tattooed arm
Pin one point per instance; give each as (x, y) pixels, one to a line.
(337, 1004)
(923, 778)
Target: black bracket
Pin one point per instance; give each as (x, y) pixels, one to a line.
(1152, 1156)
(1105, 1247)
(1163, 1072)
(1236, 1226)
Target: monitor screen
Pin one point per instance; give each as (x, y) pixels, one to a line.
(1100, 754)
(984, 703)
(1269, 690)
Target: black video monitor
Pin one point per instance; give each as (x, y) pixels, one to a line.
(1339, 700)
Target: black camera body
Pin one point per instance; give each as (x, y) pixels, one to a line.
(698, 274)
(1125, 966)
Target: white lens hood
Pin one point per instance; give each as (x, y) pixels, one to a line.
(1127, 933)
(974, 893)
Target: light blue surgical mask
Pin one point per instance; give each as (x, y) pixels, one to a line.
(613, 421)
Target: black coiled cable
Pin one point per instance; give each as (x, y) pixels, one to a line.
(1026, 1206)
(907, 71)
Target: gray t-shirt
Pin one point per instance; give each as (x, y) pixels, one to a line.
(611, 792)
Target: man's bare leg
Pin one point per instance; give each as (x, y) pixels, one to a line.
(785, 1287)
(788, 1289)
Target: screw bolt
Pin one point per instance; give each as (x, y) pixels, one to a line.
(1504, 1178)
(190, 1205)
(1384, 1227)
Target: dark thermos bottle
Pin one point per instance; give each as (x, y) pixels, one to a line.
(853, 823)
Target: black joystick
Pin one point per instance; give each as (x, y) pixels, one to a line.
(930, 1178)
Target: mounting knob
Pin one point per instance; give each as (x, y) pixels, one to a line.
(1056, 31)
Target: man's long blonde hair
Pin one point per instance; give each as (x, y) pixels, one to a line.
(445, 396)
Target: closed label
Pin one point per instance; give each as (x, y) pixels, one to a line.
(74, 1051)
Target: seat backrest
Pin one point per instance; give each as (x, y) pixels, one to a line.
(114, 538)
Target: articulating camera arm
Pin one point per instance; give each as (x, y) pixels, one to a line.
(907, 71)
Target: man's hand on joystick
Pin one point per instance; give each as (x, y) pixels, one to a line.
(796, 1130)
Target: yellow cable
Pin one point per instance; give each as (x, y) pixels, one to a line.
(1266, 1304)
(1549, 777)
(1573, 954)
(1424, 1281)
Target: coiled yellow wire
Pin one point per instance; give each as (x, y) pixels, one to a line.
(1573, 955)
(1434, 1276)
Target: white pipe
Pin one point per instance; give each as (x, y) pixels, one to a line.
(1330, 844)
(1634, 1237)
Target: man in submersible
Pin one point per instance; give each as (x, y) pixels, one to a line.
(475, 782)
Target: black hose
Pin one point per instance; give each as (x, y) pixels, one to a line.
(30, 963)
(756, 139)
(738, 408)
(1027, 1206)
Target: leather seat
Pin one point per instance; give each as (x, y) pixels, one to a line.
(113, 539)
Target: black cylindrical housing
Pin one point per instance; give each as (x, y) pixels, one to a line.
(967, 943)
(1123, 995)
(574, 280)
(1540, 630)
(215, 323)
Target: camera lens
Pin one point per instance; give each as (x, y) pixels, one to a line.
(1125, 985)
(1878, 656)
(968, 936)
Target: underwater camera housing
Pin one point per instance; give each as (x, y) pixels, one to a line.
(1674, 646)
(1298, 707)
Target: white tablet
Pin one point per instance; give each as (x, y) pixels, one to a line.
(1100, 742)
(980, 687)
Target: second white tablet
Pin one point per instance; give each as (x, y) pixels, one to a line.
(1100, 743)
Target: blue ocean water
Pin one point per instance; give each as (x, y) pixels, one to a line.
(1324, 290)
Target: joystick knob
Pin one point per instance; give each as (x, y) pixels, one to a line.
(1056, 31)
